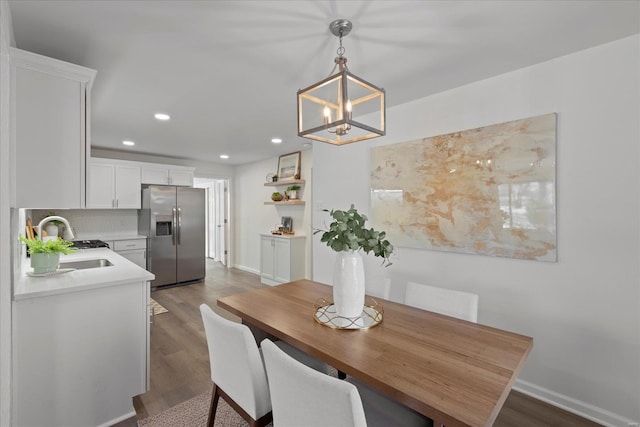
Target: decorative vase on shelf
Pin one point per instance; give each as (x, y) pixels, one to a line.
(348, 284)
(45, 262)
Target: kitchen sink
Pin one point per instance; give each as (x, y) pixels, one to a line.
(87, 263)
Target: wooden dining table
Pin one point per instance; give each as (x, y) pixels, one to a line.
(456, 372)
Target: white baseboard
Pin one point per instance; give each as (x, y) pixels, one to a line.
(247, 269)
(583, 409)
(120, 418)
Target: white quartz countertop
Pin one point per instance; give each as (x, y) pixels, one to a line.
(284, 236)
(121, 272)
(103, 236)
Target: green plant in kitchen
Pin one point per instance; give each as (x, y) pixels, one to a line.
(45, 256)
(277, 196)
(37, 246)
(54, 221)
(348, 233)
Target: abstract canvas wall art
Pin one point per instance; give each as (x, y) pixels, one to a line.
(488, 191)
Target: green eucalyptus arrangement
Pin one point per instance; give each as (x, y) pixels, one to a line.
(37, 246)
(348, 233)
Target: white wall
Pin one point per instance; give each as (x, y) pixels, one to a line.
(583, 311)
(95, 223)
(253, 217)
(6, 39)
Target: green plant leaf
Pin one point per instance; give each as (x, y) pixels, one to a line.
(348, 232)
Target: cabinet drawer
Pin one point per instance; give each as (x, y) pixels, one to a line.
(126, 245)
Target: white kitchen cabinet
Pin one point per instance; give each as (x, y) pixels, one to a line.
(113, 185)
(50, 130)
(80, 357)
(167, 175)
(282, 258)
(135, 250)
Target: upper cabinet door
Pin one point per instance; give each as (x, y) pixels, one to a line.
(101, 186)
(154, 175)
(49, 101)
(181, 177)
(128, 188)
(167, 175)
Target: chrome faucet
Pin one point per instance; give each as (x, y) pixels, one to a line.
(68, 231)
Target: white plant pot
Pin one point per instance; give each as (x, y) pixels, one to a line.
(45, 263)
(348, 284)
(52, 232)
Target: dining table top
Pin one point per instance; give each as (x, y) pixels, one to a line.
(456, 372)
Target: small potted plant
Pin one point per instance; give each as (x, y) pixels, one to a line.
(292, 191)
(52, 228)
(347, 235)
(274, 178)
(277, 196)
(45, 256)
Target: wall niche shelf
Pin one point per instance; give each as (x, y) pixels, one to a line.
(285, 183)
(286, 202)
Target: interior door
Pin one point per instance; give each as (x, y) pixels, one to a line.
(221, 221)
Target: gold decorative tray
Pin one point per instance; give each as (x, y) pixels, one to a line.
(325, 314)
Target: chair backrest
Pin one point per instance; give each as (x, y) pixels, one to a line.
(377, 281)
(302, 396)
(463, 305)
(236, 364)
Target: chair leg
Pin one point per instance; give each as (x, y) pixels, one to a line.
(214, 406)
(341, 375)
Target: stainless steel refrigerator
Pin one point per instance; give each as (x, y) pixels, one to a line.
(173, 219)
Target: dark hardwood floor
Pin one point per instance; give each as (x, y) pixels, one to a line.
(180, 360)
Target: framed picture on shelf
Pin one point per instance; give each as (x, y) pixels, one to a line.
(287, 223)
(289, 166)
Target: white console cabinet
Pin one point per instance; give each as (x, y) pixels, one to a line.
(113, 185)
(50, 126)
(282, 258)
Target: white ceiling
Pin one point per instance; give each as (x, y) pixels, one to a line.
(227, 71)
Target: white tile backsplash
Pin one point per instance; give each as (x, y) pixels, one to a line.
(92, 222)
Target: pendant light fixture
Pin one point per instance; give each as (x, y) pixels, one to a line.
(326, 110)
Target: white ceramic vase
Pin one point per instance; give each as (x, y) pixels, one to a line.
(348, 284)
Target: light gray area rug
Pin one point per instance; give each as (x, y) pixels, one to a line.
(193, 413)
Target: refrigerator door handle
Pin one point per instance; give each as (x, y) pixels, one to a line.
(175, 227)
(179, 224)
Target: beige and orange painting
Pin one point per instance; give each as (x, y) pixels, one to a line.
(488, 191)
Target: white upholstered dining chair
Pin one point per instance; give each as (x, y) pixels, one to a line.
(305, 397)
(237, 369)
(463, 305)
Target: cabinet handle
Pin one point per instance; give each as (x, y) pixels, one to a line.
(116, 203)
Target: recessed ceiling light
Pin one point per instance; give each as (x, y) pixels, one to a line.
(162, 116)
(128, 143)
(224, 156)
(276, 140)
